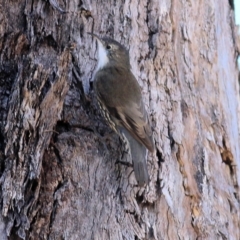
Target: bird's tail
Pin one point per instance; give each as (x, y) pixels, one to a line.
(138, 153)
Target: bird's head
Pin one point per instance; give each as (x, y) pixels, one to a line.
(111, 53)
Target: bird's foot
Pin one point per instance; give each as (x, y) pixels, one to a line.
(128, 164)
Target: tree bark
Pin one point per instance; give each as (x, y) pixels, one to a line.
(62, 170)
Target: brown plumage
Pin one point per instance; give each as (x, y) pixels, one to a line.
(122, 98)
(119, 95)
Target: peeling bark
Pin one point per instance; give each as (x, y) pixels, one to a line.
(64, 173)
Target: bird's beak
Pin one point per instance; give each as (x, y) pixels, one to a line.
(94, 35)
(102, 52)
(99, 40)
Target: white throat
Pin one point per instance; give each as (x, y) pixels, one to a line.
(102, 56)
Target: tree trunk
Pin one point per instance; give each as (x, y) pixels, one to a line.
(62, 175)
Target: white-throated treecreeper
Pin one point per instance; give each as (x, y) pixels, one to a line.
(119, 96)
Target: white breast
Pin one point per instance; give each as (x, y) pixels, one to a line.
(102, 56)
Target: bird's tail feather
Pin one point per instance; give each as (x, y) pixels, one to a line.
(138, 153)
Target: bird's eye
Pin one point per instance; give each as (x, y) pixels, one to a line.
(109, 47)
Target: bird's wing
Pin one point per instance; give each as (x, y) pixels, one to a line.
(134, 119)
(122, 98)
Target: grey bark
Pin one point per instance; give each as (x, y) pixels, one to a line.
(62, 175)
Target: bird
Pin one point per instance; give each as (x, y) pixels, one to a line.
(120, 100)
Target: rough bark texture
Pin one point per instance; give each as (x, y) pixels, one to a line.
(60, 165)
